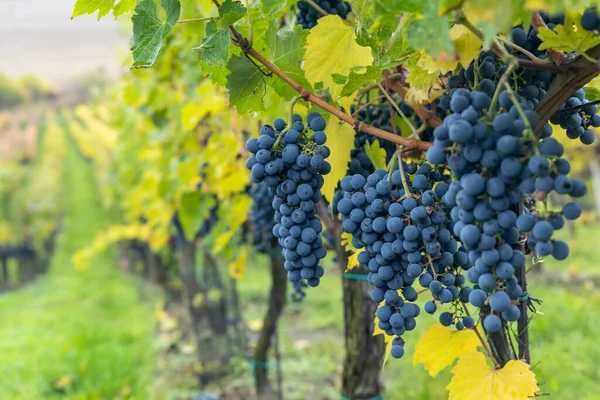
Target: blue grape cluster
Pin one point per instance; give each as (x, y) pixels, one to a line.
(405, 239)
(307, 16)
(292, 163)
(590, 20)
(495, 166)
(577, 122)
(261, 216)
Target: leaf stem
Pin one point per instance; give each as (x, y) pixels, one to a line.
(250, 29)
(316, 7)
(393, 103)
(199, 19)
(407, 192)
(522, 50)
(483, 343)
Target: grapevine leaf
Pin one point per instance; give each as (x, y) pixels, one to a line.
(149, 31)
(431, 32)
(246, 85)
(363, 9)
(568, 37)
(195, 209)
(495, 16)
(439, 347)
(376, 154)
(238, 267)
(591, 93)
(287, 49)
(340, 139)
(274, 8)
(352, 261)
(103, 7)
(467, 44)
(355, 81)
(424, 86)
(231, 12)
(473, 379)
(214, 48)
(331, 48)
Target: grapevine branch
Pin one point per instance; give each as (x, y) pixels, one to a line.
(242, 42)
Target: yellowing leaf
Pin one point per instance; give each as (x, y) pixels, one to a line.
(340, 139)
(467, 44)
(238, 267)
(352, 261)
(331, 48)
(376, 154)
(473, 379)
(425, 86)
(439, 347)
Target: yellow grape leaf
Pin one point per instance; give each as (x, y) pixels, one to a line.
(473, 379)
(568, 37)
(340, 139)
(331, 48)
(238, 267)
(439, 347)
(425, 86)
(376, 154)
(352, 261)
(416, 97)
(467, 44)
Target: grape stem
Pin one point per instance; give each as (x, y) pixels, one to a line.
(316, 7)
(522, 50)
(528, 129)
(367, 104)
(503, 79)
(407, 192)
(242, 42)
(483, 343)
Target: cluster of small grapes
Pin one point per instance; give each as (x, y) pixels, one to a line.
(291, 163)
(307, 15)
(494, 167)
(404, 238)
(578, 118)
(590, 20)
(261, 216)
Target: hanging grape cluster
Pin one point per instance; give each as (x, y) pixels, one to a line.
(292, 163)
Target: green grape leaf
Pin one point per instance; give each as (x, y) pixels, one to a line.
(274, 8)
(591, 93)
(431, 33)
(356, 81)
(103, 7)
(376, 154)
(149, 31)
(568, 37)
(214, 48)
(363, 9)
(389, 8)
(246, 85)
(287, 49)
(195, 209)
(231, 12)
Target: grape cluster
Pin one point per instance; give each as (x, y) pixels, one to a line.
(495, 166)
(261, 216)
(291, 164)
(307, 15)
(405, 239)
(590, 20)
(577, 122)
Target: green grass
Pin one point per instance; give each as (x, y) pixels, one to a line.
(94, 329)
(564, 336)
